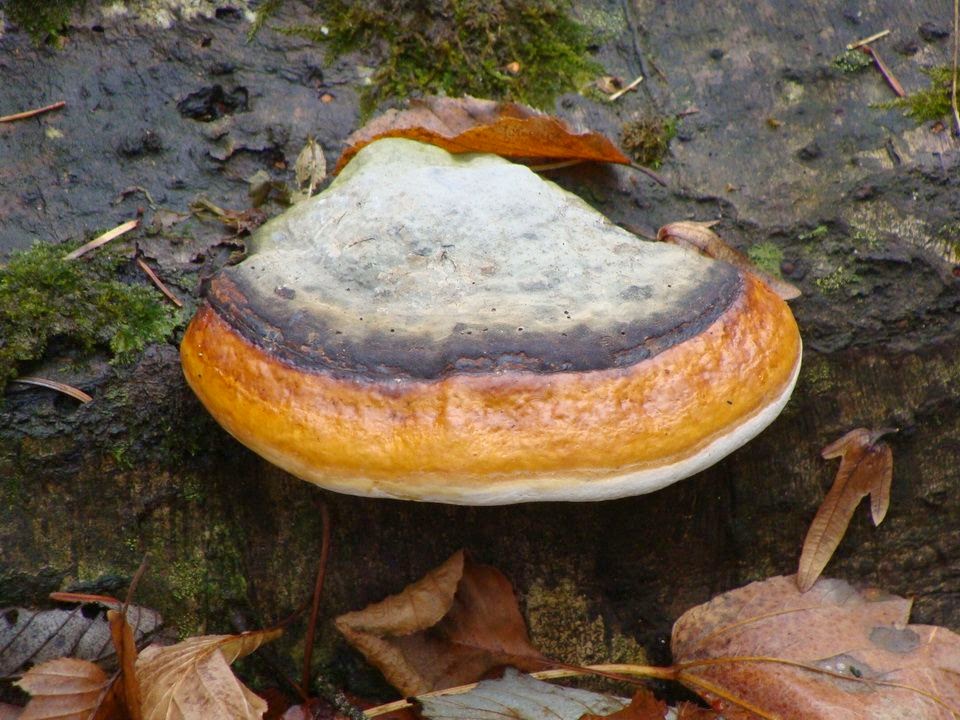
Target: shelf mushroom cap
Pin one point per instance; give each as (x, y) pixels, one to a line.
(453, 328)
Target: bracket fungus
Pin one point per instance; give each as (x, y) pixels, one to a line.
(454, 328)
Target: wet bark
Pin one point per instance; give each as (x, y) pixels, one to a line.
(859, 205)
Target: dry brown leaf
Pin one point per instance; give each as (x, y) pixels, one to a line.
(643, 706)
(691, 711)
(69, 689)
(468, 124)
(866, 468)
(698, 236)
(10, 712)
(310, 168)
(192, 679)
(126, 647)
(447, 629)
(834, 653)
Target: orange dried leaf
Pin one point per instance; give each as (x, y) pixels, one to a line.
(447, 629)
(192, 679)
(126, 647)
(866, 468)
(692, 711)
(643, 706)
(767, 650)
(461, 125)
(699, 237)
(68, 689)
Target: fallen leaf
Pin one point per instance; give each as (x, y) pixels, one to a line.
(834, 653)
(519, 697)
(34, 636)
(692, 711)
(310, 168)
(192, 679)
(698, 236)
(242, 222)
(164, 220)
(126, 647)
(866, 468)
(447, 629)
(643, 706)
(69, 689)
(461, 125)
(10, 712)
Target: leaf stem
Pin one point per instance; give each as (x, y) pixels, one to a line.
(317, 591)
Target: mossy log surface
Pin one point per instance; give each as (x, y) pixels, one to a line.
(856, 205)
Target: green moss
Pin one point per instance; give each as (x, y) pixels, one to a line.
(767, 256)
(838, 279)
(527, 51)
(44, 20)
(208, 582)
(647, 140)
(81, 303)
(817, 376)
(264, 12)
(818, 232)
(930, 104)
(852, 61)
(561, 627)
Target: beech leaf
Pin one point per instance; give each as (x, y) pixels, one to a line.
(699, 237)
(34, 636)
(10, 712)
(866, 468)
(834, 653)
(192, 679)
(126, 648)
(468, 124)
(643, 706)
(68, 689)
(310, 167)
(448, 628)
(519, 697)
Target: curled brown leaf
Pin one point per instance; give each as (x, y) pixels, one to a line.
(698, 236)
(866, 468)
(192, 679)
(448, 628)
(469, 124)
(69, 689)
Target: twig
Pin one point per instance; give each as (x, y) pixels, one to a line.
(102, 239)
(317, 590)
(956, 52)
(649, 173)
(884, 70)
(624, 90)
(54, 385)
(32, 113)
(158, 282)
(868, 40)
(641, 671)
(135, 189)
(133, 585)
